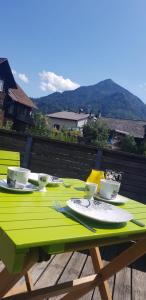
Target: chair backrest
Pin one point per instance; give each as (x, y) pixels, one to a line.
(8, 158)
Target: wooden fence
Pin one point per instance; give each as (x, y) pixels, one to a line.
(74, 160)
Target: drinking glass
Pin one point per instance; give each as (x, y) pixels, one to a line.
(91, 189)
(113, 175)
(42, 181)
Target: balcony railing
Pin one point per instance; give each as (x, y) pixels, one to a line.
(76, 161)
(24, 118)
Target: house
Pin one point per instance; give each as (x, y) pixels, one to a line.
(15, 105)
(119, 128)
(135, 128)
(67, 120)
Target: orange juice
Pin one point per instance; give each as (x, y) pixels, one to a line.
(95, 177)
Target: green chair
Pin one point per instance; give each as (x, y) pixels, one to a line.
(8, 158)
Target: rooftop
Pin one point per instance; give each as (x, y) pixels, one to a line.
(18, 95)
(14, 90)
(134, 128)
(2, 59)
(68, 115)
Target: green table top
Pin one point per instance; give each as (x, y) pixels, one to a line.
(29, 221)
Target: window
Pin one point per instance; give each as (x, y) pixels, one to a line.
(57, 126)
(1, 85)
(11, 109)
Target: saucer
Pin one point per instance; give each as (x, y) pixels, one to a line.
(28, 188)
(119, 199)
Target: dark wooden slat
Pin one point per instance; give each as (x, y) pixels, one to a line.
(27, 153)
(138, 285)
(88, 270)
(122, 289)
(73, 269)
(53, 271)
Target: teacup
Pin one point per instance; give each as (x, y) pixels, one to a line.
(109, 189)
(17, 177)
(91, 189)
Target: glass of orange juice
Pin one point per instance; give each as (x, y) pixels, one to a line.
(95, 177)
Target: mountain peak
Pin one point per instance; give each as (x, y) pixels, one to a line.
(108, 80)
(107, 96)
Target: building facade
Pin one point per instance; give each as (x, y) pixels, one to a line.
(67, 120)
(15, 105)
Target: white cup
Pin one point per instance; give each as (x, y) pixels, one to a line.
(109, 189)
(91, 189)
(17, 177)
(42, 181)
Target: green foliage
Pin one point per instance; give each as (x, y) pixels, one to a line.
(8, 125)
(64, 135)
(41, 126)
(141, 149)
(96, 133)
(128, 144)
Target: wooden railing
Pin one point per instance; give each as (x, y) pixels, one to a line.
(74, 160)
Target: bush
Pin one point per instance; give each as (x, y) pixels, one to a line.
(128, 144)
(96, 133)
(41, 126)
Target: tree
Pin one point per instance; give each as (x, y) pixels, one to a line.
(128, 144)
(96, 133)
(41, 126)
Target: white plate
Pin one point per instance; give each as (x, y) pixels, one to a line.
(99, 211)
(118, 200)
(27, 188)
(53, 182)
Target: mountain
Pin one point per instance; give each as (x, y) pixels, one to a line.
(107, 96)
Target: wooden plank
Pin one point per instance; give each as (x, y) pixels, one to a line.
(73, 269)
(27, 152)
(38, 269)
(56, 267)
(138, 285)
(124, 155)
(34, 273)
(9, 280)
(123, 259)
(8, 158)
(64, 151)
(86, 283)
(122, 290)
(88, 270)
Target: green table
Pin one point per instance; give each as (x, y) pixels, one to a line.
(28, 223)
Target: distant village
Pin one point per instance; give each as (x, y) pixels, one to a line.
(17, 107)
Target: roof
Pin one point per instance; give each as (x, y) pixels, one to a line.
(2, 59)
(134, 128)
(68, 115)
(18, 95)
(14, 90)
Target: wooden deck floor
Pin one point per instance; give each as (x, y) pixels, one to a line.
(128, 284)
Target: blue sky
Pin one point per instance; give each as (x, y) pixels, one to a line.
(84, 41)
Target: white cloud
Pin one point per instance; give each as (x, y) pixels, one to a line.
(51, 82)
(23, 77)
(20, 76)
(14, 72)
(142, 86)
